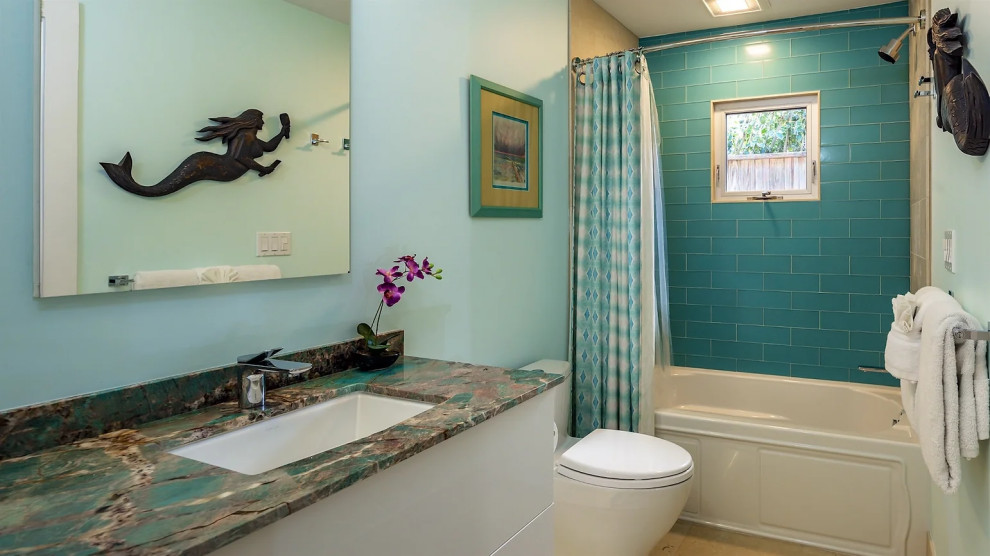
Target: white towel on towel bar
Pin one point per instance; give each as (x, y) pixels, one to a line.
(903, 348)
(948, 406)
(250, 272)
(154, 279)
(221, 274)
(902, 354)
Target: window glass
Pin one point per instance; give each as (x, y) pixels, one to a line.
(767, 150)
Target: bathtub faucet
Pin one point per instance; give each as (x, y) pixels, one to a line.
(898, 419)
(251, 371)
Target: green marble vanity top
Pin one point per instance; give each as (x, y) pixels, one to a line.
(121, 492)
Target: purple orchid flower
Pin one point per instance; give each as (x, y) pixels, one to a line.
(413, 269)
(391, 294)
(431, 269)
(389, 275)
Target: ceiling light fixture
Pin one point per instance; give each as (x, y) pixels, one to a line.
(719, 8)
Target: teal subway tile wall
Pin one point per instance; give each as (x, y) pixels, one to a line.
(791, 288)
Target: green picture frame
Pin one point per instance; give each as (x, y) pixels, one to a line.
(506, 136)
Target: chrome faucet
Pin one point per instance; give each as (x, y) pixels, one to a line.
(251, 375)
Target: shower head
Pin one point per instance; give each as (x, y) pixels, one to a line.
(892, 50)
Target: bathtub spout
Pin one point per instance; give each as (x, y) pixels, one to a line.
(898, 419)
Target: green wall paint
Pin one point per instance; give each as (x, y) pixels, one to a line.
(960, 201)
(794, 288)
(504, 298)
(291, 60)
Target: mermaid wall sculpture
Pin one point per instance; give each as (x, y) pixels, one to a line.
(240, 134)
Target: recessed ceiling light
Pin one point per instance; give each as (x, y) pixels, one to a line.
(731, 7)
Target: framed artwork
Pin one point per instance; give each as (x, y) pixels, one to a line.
(506, 151)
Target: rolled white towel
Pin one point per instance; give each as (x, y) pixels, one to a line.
(250, 272)
(902, 354)
(905, 307)
(154, 279)
(221, 274)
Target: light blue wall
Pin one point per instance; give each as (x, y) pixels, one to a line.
(504, 298)
(960, 201)
(792, 288)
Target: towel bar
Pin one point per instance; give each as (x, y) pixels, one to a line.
(971, 335)
(962, 335)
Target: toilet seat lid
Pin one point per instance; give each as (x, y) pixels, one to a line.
(625, 455)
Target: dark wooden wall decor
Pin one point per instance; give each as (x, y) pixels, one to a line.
(963, 107)
(240, 134)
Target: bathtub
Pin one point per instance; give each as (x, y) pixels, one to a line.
(828, 464)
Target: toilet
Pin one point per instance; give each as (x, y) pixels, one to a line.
(614, 492)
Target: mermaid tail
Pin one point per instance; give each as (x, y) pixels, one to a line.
(196, 167)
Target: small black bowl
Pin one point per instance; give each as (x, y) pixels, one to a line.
(375, 361)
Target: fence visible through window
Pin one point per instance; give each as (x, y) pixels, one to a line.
(767, 150)
(767, 172)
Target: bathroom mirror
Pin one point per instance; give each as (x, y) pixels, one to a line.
(142, 77)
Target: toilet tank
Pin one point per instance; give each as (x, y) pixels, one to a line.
(561, 392)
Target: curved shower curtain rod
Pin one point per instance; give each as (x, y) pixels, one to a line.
(912, 21)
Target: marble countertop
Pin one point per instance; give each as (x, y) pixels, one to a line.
(122, 492)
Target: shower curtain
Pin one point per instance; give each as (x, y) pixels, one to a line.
(619, 319)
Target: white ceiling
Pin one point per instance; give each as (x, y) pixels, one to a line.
(647, 18)
(334, 9)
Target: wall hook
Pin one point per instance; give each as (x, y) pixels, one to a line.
(314, 139)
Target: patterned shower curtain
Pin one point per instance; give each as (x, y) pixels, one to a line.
(619, 264)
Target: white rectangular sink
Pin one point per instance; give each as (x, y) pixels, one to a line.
(301, 433)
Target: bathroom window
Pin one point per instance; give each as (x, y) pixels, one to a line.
(765, 149)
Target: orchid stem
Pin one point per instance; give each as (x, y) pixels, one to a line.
(377, 318)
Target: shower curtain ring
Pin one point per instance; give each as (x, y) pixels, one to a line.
(580, 74)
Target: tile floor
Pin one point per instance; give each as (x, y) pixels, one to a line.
(688, 539)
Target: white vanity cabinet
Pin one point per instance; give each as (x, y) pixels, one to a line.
(487, 490)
